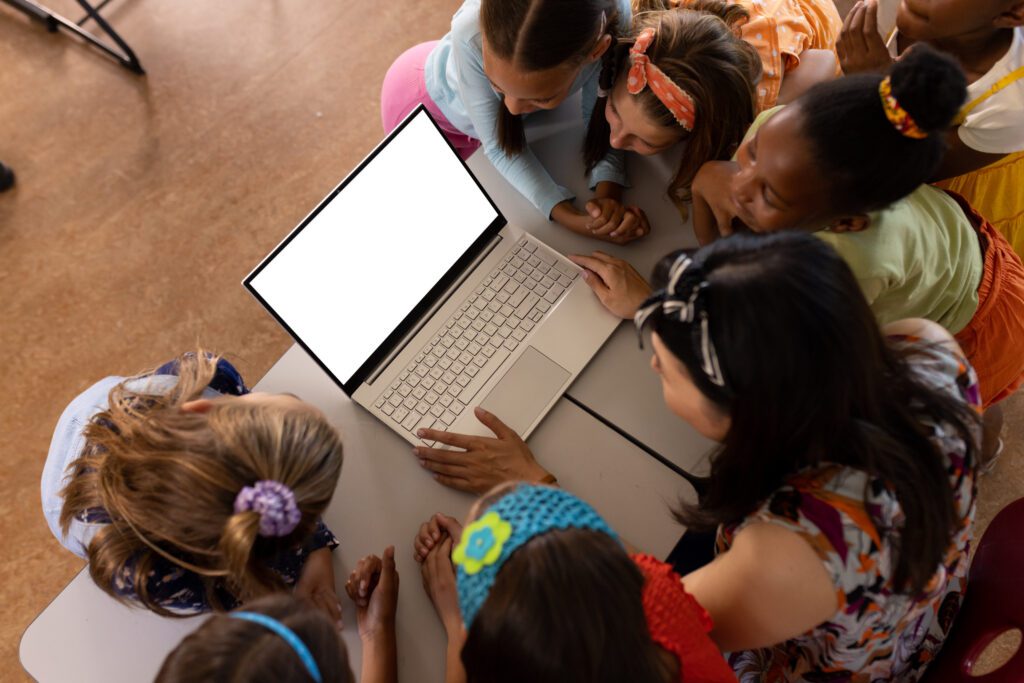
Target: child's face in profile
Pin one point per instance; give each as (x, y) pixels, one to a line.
(922, 20)
(631, 128)
(778, 184)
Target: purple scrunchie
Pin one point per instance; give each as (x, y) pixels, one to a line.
(279, 514)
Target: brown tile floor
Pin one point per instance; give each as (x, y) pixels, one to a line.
(142, 202)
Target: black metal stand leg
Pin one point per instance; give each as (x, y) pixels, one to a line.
(6, 177)
(53, 22)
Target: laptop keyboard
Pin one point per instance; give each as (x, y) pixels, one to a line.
(450, 370)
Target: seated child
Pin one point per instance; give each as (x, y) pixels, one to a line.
(186, 492)
(985, 159)
(280, 638)
(849, 158)
(502, 61)
(543, 591)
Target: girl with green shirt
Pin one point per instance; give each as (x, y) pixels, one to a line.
(848, 161)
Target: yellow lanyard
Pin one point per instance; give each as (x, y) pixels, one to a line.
(1006, 80)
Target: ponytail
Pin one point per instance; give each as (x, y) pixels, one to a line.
(166, 482)
(869, 161)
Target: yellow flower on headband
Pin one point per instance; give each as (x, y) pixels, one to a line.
(481, 543)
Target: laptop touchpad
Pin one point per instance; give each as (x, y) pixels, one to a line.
(525, 390)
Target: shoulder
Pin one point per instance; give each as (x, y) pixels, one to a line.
(996, 125)
(761, 119)
(825, 509)
(68, 439)
(935, 358)
(466, 22)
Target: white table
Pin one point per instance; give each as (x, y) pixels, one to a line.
(383, 494)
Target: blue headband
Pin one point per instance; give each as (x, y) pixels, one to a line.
(287, 635)
(487, 543)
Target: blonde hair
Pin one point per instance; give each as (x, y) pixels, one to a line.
(168, 478)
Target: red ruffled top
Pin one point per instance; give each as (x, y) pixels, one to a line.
(680, 625)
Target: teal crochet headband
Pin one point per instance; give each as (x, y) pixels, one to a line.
(486, 544)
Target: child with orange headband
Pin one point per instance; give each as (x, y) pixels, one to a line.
(917, 251)
(985, 160)
(538, 588)
(679, 75)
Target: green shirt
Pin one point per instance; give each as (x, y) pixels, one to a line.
(919, 257)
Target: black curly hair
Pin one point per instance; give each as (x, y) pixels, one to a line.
(869, 163)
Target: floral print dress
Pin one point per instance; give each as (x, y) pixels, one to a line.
(876, 634)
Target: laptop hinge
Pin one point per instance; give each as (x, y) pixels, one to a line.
(429, 314)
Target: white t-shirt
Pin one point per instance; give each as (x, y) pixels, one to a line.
(995, 125)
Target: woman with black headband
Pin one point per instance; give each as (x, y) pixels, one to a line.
(842, 488)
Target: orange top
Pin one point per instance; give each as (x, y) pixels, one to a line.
(780, 30)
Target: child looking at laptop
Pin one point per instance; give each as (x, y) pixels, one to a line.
(503, 60)
(187, 493)
(537, 587)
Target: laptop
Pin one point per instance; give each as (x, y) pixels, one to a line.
(410, 290)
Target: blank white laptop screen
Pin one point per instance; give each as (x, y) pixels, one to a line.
(352, 272)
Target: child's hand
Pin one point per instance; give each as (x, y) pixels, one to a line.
(613, 221)
(616, 283)
(433, 532)
(633, 225)
(860, 46)
(373, 587)
(439, 582)
(316, 584)
(713, 208)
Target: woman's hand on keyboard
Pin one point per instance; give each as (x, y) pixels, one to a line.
(616, 283)
(483, 462)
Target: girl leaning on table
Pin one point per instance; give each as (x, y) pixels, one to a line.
(842, 489)
(538, 588)
(502, 61)
(186, 492)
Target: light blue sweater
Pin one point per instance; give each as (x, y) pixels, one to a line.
(456, 82)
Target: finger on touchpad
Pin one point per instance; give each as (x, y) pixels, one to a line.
(526, 389)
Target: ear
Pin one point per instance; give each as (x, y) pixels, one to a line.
(1012, 17)
(602, 46)
(200, 406)
(854, 223)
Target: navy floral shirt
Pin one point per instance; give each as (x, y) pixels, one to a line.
(180, 590)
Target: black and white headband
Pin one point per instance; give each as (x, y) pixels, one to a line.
(681, 300)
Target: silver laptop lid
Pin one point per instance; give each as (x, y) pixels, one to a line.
(363, 267)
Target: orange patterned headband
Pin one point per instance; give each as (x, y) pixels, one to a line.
(897, 115)
(643, 73)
